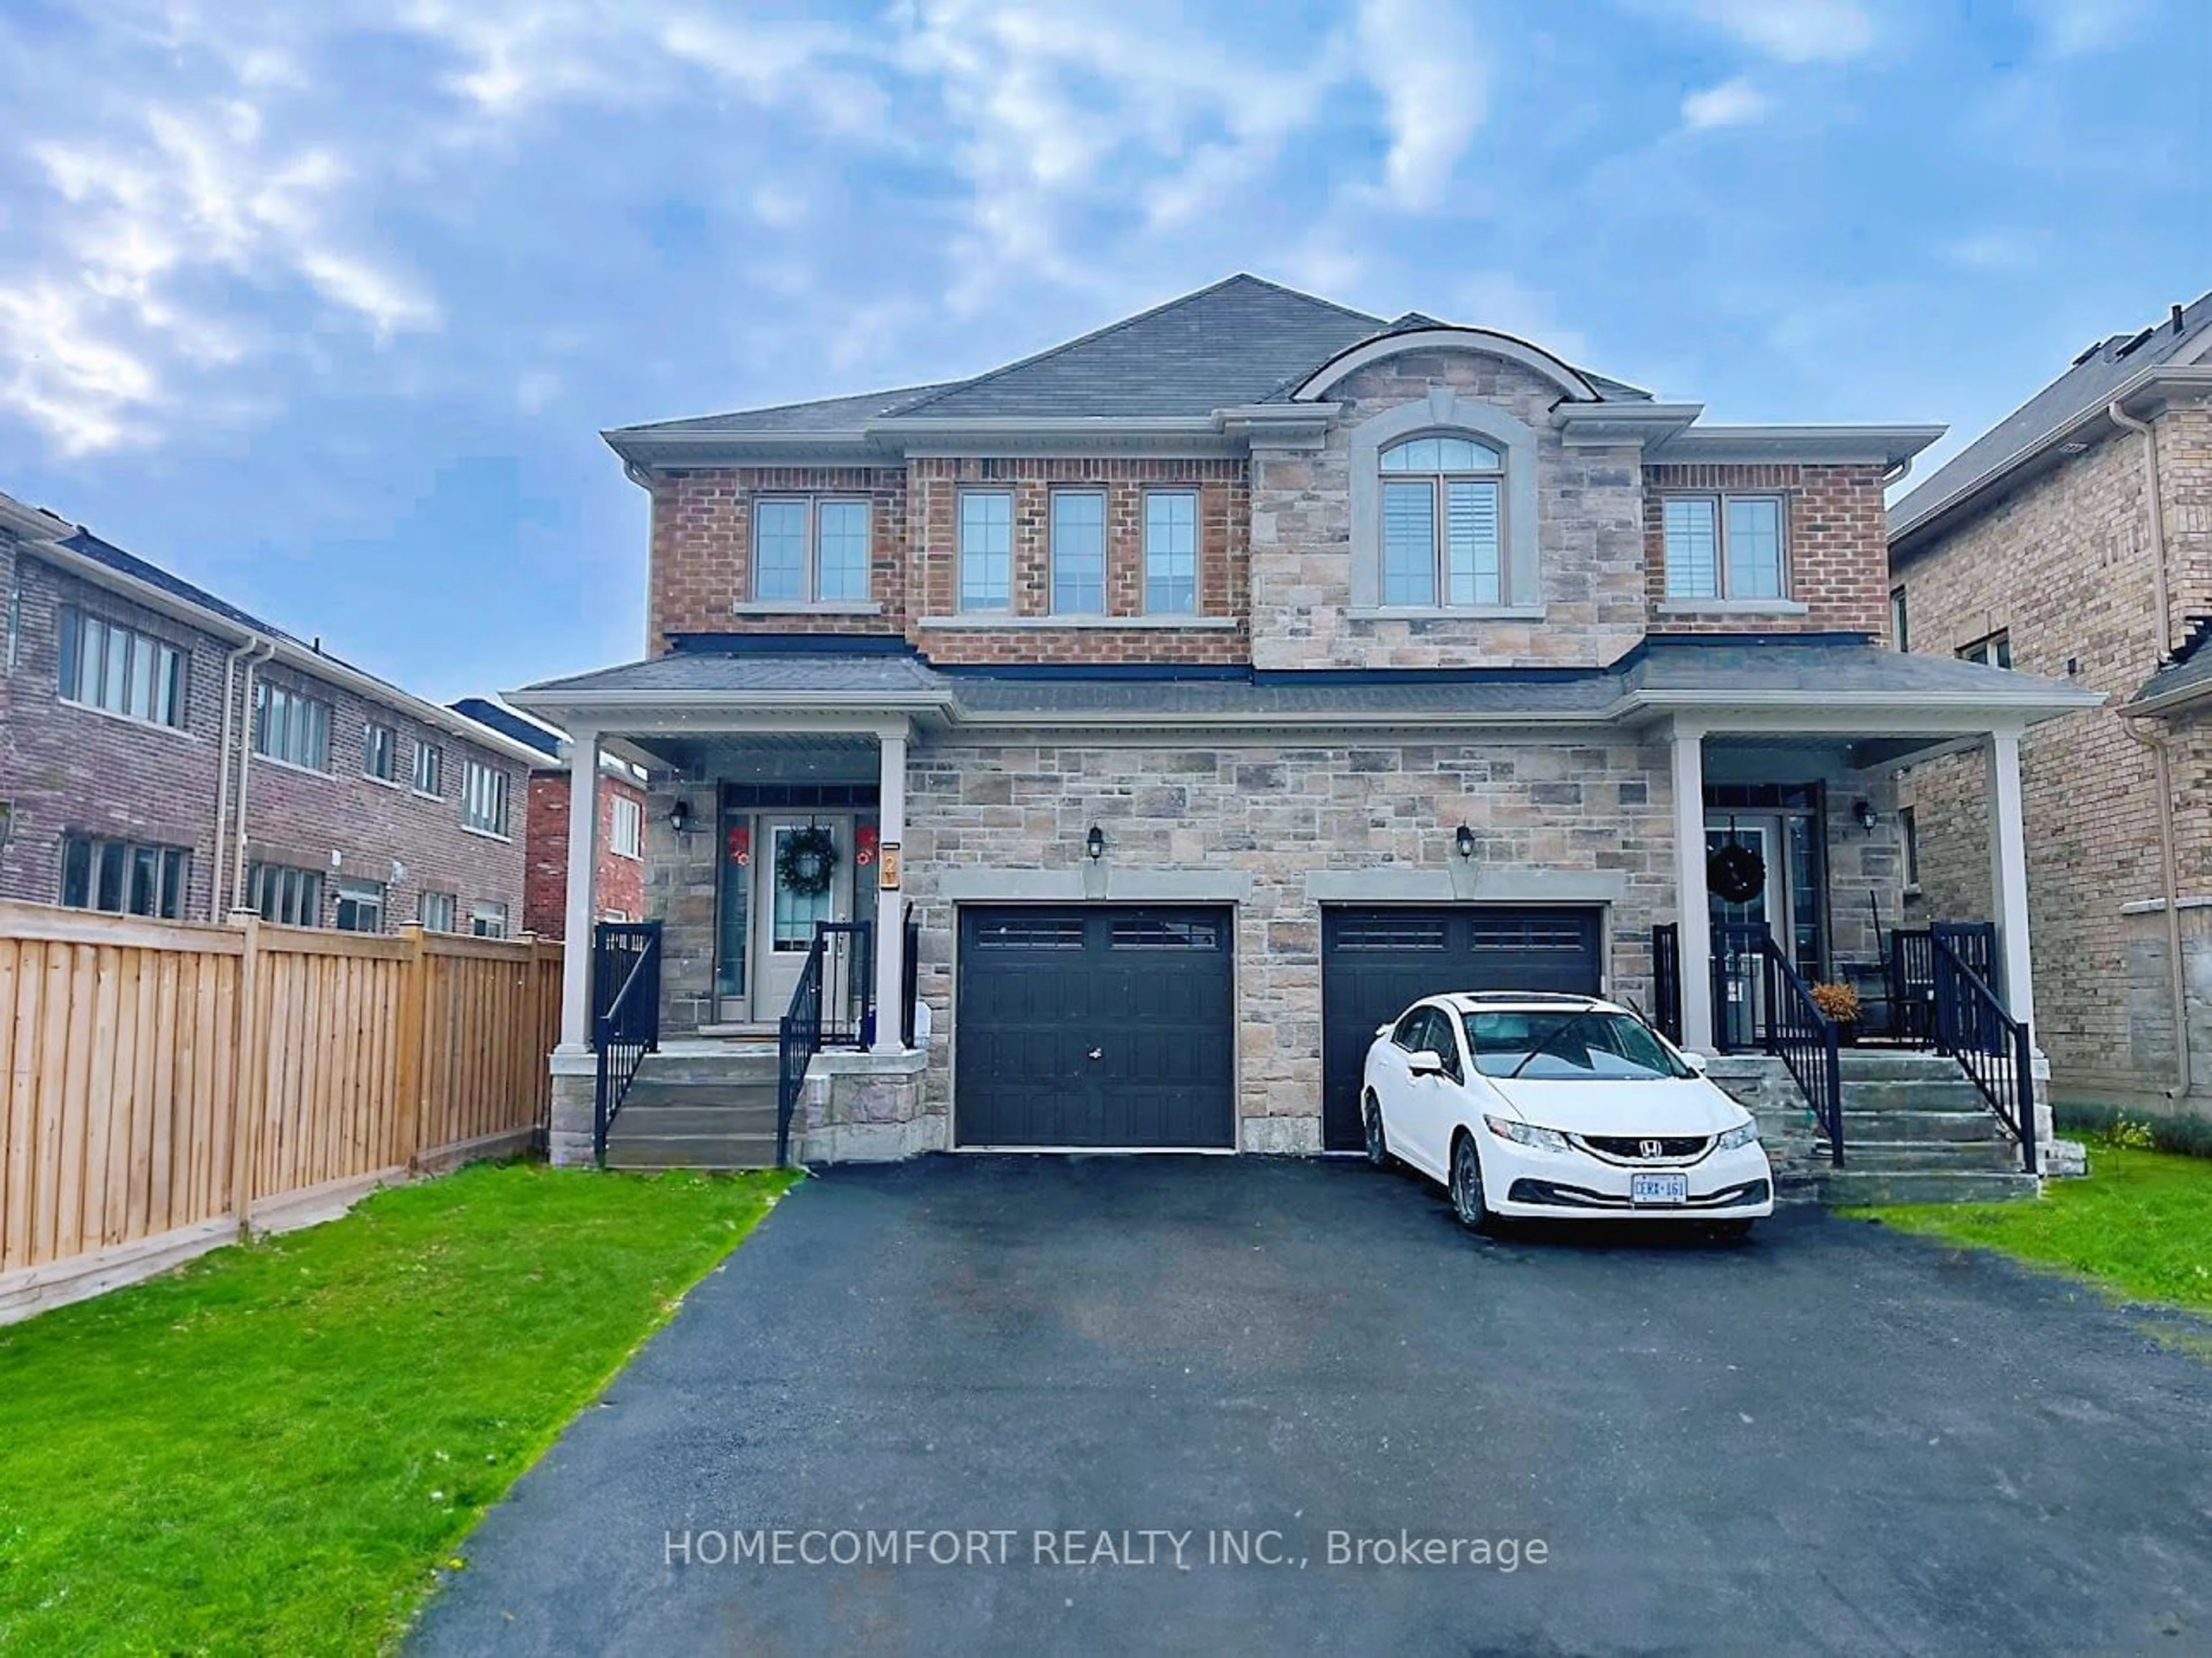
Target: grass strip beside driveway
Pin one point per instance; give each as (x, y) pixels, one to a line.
(273, 1449)
(2141, 1226)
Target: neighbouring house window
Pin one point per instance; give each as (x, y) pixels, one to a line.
(1171, 552)
(379, 752)
(435, 911)
(361, 906)
(1901, 620)
(1909, 828)
(483, 801)
(1444, 533)
(430, 768)
(123, 876)
(986, 549)
(1725, 546)
(1079, 552)
(1993, 650)
(810, 551)
(121, 669)
(291, 897)
(291, 726)
(488, 920)
(628, 836)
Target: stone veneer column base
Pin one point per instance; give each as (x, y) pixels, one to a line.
(866, 1108)
(575, 1088)
(1289, 1136)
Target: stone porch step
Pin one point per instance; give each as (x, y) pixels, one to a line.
(659, 1122)
(1917, 1125)
(1869, 1065)
(1951, 1093)
(692, 1152)
(657, 1093)
(730, 1062)
(1849, 1185)
(1914, 1156)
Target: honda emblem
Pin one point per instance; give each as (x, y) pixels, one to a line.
(1650, 1148)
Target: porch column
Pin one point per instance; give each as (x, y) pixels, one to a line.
(1691, 907)
(2008, 876)
(890, 933)
(583, 895)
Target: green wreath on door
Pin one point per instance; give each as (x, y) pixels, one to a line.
(807, 860)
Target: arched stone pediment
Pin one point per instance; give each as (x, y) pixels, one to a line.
(1478, 341)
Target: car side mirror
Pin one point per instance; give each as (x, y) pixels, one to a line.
(1695, 1061)
(1425, 1064)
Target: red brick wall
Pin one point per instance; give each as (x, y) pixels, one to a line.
(1839, 546)
(621, 880)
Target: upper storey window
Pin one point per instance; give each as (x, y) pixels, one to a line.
(1444, 533)
(1171, 552)
(810, 551)
(986, 549)
(1725, 547)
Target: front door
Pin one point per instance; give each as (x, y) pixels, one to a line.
(786, 909)
(1735, 1010)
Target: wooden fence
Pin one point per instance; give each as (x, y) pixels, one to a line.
(164, 1085)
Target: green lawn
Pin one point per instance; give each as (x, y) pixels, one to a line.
(2141, 1226)
(271, 1451)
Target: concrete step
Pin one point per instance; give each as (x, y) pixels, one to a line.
(1975, 1125)
(1951, 1093)
(747, 1064)
(652, 1093)
(651, 1123)
(1912, 1156)
(1872, 1064)
(692, 1152)
(1847, 1186)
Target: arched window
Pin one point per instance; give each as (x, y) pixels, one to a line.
(1443, 522)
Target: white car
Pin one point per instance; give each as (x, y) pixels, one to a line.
(1527, 1105)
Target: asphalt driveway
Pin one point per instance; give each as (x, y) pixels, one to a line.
(1831, 1439)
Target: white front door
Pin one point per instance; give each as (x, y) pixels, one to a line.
(1737, 1014)
(784, 916)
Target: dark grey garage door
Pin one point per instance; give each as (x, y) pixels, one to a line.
(1095, 1026)
(1374, 961)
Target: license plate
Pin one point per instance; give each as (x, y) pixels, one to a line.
(1658, 1188)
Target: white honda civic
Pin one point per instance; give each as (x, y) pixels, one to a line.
(1528, 1106)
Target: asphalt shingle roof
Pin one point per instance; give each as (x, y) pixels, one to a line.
(91, 546)
(824, 415)
(2086, 386)
(745, 670)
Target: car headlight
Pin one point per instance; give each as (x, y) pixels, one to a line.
(1522, 1133)
(1736, 1138)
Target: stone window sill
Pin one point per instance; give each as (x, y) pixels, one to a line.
(1000, 619)
(794, 607)
(1733, 607)
(1446, 613)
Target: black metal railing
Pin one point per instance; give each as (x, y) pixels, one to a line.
(1666, 979)
(819, 1016)
(1913, 973)
(625, 1015)
(909, 978)
(1971, 1025)
(1760, 999)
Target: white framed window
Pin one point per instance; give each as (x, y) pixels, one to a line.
(1079, 552)
(123, 877)
(1992, 650)
(434, 911)
(627, 835)
(1443, 522)
(810, 550)
(484, 798)
(107, 665)
(291, 897)
(429, 776)
(361, 906)
(379, 752)
(986, 549)
(488, 920)
(291, 726)
(1726, 547)
(1171, 552)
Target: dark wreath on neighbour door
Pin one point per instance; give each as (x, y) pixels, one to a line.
(1736, 873)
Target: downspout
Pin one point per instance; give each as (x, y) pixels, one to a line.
(253, 642)
(2168, 867)
(245, 765)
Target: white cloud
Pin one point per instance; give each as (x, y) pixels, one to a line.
(2074, 28)
(1731, 103)
(1427, 64)
(1794, 31)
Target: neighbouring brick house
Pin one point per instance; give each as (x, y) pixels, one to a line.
(1209, 687)
(164, 753)
(620, 881)
(2074, 540)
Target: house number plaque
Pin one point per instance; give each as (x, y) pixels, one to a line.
(887, 866)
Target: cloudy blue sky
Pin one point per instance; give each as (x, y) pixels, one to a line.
(323, 305)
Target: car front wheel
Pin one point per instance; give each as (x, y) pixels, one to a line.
(1378, 1144)
(1467, 1198)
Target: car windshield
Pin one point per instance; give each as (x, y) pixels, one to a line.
(1540, 1046)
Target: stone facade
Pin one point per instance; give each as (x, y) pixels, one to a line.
(72, 768)
(2062, 567)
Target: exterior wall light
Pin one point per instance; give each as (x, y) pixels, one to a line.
(1864, 812)
(1463, 841)
(679, 816)
(1094, 843)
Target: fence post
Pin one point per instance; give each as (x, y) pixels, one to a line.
(247, 1106)
(414, 994)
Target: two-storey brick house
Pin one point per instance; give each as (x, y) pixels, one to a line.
(2074, 539)
(1210, 686)
(165, 753)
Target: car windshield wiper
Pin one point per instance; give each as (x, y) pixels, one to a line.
(1543, 1046)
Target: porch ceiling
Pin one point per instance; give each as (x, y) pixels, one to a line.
(783, 757)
